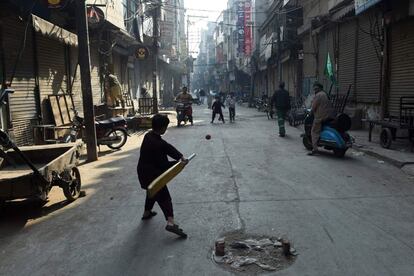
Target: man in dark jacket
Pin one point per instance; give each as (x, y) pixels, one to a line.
(281, 101)
(216, 107)
(153, 162)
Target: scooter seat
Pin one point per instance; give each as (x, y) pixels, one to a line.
(112, 121)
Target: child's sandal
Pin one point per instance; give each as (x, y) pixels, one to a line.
(176, 230)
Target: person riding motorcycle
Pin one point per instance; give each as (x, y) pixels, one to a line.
(322, 110)
(185, 98)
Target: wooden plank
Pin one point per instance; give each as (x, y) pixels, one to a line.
(64, 109)
(54, 104)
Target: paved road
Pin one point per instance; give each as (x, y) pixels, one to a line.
(352, 216)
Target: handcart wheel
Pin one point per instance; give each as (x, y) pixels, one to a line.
(386, 138)
(73, 189)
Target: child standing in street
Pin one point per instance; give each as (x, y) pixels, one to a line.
(231, 104)
(217, 105)
(153, 162)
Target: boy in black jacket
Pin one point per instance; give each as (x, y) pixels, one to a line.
(217, 105)
(153, 162)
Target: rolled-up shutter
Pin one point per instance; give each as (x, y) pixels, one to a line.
(22, 102)
(346, 58)
(326, 45)
(76, 79)
(52, 71)
(402, 65)
(368, 75)
(322, 54)
(309, 62)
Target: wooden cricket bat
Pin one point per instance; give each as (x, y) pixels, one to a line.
(162, 180)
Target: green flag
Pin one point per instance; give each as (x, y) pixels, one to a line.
(329, 71)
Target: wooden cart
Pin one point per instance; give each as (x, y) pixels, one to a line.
(31, 172)
(390, 126)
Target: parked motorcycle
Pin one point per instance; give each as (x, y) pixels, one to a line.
(3, 95)
(197, 101)
(334, 135)
(183, 113)
(112, 132)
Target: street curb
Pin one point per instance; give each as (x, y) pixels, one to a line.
(387, 159)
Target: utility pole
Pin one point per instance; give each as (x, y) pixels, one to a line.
(188, 55)
(85, 72)
(155, 34)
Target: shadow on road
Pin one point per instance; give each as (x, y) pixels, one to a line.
(15, 214)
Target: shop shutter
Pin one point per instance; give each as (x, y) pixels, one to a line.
(346, 58)
(368, 74)
(52, 71)
(402, 64)
(75, 80)
(326, 45)
(22, 102)
(97, 85)
(309, 62)
(322, 53)
(95, 78)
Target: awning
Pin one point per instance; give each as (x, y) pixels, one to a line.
(123, 38)
(53, 31)
(343, 12)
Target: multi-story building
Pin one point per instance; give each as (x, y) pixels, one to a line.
(47, 64)
(172, 48)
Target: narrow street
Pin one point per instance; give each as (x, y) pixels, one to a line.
(351, 216)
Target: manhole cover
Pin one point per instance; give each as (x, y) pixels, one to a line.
(252, 254)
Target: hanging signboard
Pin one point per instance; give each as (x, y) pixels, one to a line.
(362, 5)
(55, 4)
(247, 28)
(240, 26)
(142, 53)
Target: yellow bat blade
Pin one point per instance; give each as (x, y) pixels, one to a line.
(162, 180)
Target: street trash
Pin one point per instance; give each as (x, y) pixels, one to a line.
(239, 245)
(253, 255)
(277, 244)
(358, 153)
(242, 261)
(293, 252)
(380, 162)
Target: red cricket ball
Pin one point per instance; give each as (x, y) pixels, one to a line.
(208, 136)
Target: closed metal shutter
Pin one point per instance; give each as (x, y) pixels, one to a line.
(346, 58)
(52, 71)
(97, 85)
(326, 45)
(98, 97)
(75, 79)
(22, 102)
(368, 75)
(402, 64)
(309, 61)
(322, 54)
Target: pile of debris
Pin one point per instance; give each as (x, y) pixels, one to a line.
(253, 255)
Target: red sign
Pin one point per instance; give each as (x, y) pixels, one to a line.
(248, 35)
